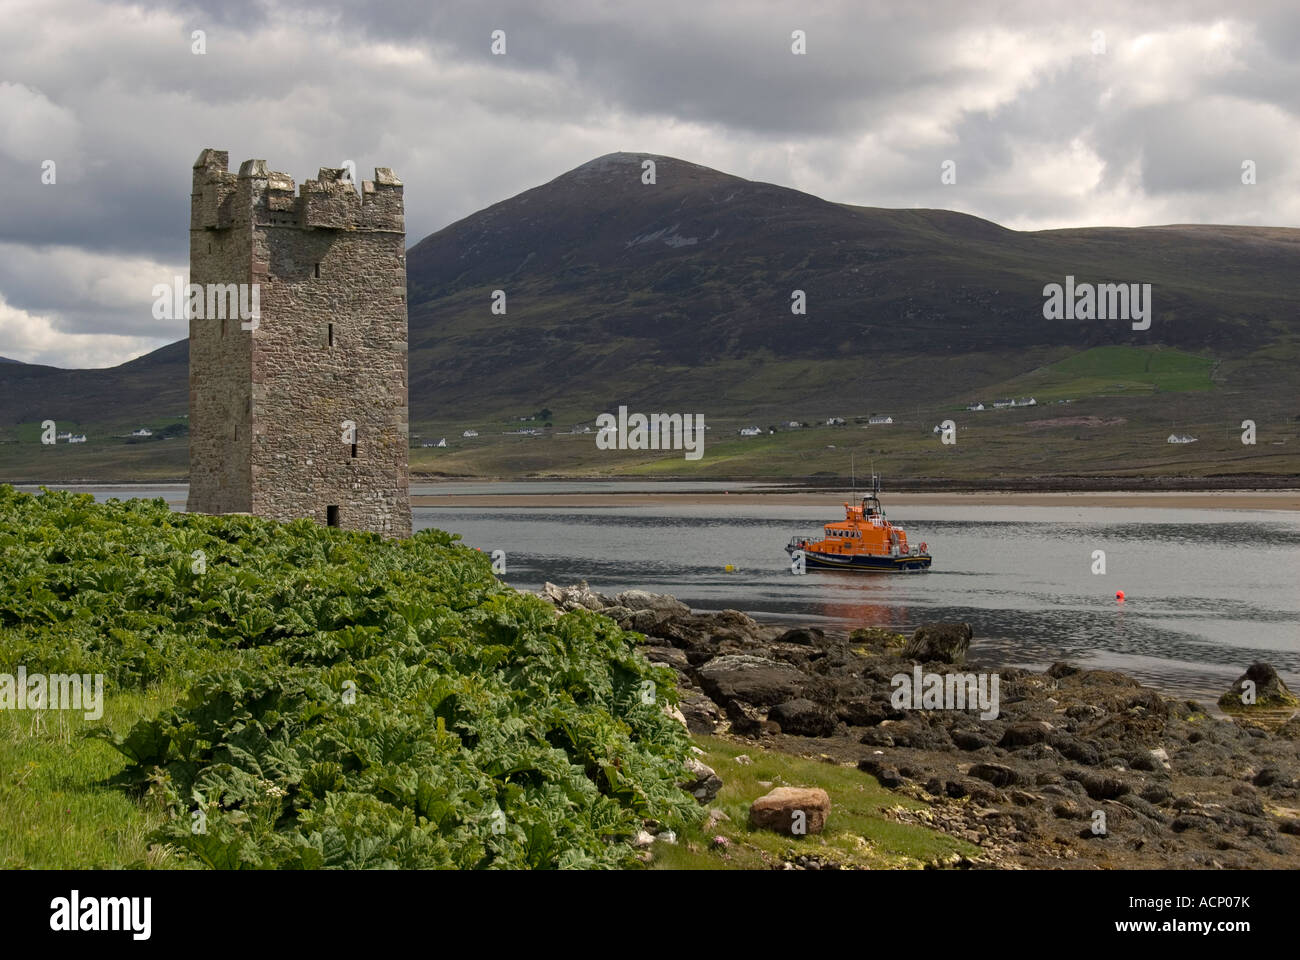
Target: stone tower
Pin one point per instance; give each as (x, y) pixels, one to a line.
(300, 411)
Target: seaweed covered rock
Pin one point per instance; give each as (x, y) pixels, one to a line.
(946, 641)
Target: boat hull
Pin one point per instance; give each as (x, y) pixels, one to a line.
(867, 563)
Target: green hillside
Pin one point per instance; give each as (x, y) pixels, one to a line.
(677, 298)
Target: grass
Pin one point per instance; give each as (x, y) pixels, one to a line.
(1111, 371)
(857, 834)
(56, 809)
(57, 812)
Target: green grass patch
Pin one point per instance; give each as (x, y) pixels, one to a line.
(858, 832)
(57, 809)
(1112, 371)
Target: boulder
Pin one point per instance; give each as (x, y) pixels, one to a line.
(995, 773)
(702, 714)
(946, 641)
(1269, 690)
(803, 718)
(571, 598)
(749, 679)
(807, 636)
(637, 600)
(701, 782)
(1025, 734)
(780, 810)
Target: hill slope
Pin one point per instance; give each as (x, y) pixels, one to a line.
(676, 297)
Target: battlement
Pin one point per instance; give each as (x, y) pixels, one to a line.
(260, 197)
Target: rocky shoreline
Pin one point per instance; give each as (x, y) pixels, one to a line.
(1074, 768)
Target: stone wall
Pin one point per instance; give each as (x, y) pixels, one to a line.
(325, 257)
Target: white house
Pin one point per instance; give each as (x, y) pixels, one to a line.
(881, 420)
(1180, 438)
(834, 421)
(976, 406)
(77, 438)
(750, 431)
(64, 436)
(793, 425)
(142, 432)
(470, 433)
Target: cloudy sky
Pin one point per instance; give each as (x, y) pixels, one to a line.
(1055, 114)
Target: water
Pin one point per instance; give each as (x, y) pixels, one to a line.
(1207, 591)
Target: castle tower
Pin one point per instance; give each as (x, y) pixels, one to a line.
(300, 411)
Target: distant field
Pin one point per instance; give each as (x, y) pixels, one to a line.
(1123, 402)
(1112, 371)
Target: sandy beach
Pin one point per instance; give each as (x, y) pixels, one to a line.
(1172, 500)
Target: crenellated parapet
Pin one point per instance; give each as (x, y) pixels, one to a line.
(260, 197)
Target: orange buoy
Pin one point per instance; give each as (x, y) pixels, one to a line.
(1119, 596)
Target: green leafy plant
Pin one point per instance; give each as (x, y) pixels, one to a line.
(352, 701)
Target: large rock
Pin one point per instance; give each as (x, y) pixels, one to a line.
(702, 781)
(803, 718)
(780, 809)
(749, 679)
(637, 600)
(702, 714)
(947, 641)
(1270, 692)
(571, 598)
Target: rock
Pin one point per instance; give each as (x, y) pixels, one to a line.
(803, 718)
(995, 773)
(665, 656)
(1269, 690)
(702, 783)
(1025, 734)
(1072, 748)
(808, 636)
(637, 600)
(644, 838)
(1268, 777)
(667, 836)
(702, 714)
(969, 739)
(744, 760)
(779, 810)
(1101, 786)
(886, 773)
(946, 641)
(749, 679)
(714, 818)
(571, 598)
(866, 713)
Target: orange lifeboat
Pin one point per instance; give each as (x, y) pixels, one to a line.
(863, 540)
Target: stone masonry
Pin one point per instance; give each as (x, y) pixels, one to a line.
(268, 405)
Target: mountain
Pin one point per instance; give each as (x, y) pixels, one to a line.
(676, 297)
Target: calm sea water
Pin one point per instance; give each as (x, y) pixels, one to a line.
(1207, 591)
